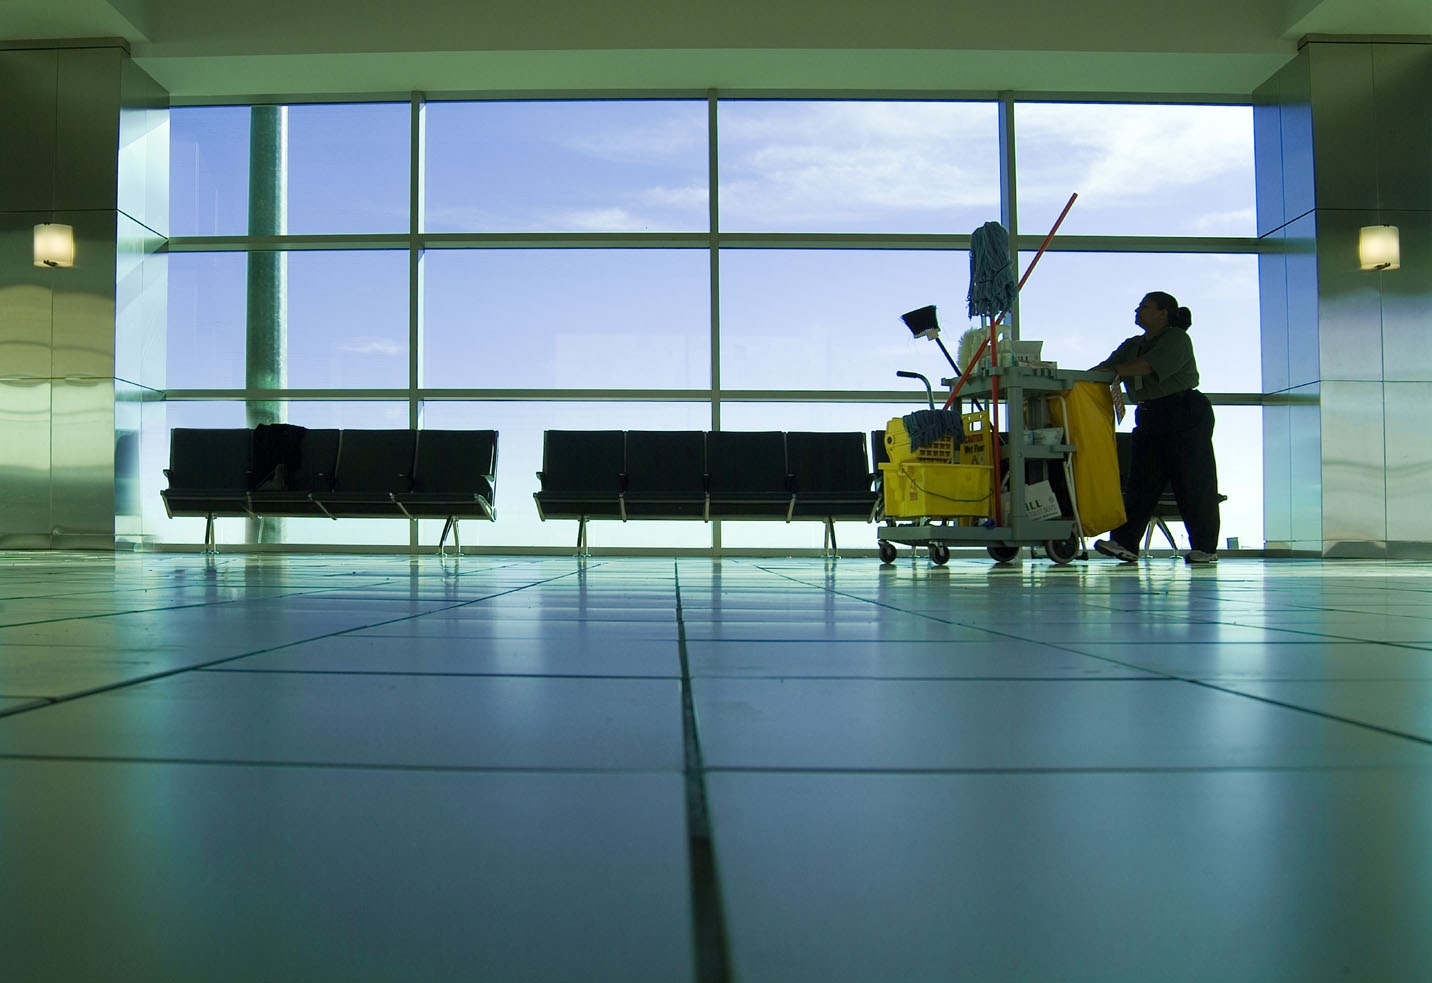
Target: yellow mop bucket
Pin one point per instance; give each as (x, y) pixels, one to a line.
(917, 488)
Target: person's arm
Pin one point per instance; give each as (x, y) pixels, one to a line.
(1121, 366)
(1130, 369)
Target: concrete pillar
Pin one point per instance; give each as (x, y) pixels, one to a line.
(86, 147)
(1343, 139)
(266, 334)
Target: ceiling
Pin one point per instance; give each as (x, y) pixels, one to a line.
(201, 50)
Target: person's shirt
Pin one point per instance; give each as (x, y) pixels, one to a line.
(1170, 355)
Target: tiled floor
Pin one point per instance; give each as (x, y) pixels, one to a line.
(530, 768)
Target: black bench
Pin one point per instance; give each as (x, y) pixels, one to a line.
(693, 474)
(341, 474)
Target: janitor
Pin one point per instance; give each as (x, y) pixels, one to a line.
(1173, 431)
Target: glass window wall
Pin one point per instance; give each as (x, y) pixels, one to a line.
(602, 313)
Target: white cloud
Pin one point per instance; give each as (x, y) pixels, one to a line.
(1230, 223)
(689, 196)
(613, 219)
(852, 161)
(675, 137)
(1123, 153)
(372, 346)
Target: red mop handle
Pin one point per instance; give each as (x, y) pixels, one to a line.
(1047, 239)
(955, 391)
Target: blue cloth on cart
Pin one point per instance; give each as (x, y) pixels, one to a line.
(992, 286)
(927, 426)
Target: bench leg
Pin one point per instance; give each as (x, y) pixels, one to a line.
(449, 525)
(828, 546)
(1163, 528)
(582, 536)
(210, 545)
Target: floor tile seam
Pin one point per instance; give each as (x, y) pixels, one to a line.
(182, 607)
(836, 770)
(1323, 714)
(1233, 643)
(162, 674)
(31, 703)
(336, 765)
(1312, 638)
(239, 671)
(1320, 635)
(1148, 677)
(1359, 612)
(711, 954)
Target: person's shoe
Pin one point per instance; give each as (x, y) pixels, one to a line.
(1198, 558)
(1110, 548)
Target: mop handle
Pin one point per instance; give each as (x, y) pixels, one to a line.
(955, 391)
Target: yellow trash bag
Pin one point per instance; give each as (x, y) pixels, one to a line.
(1090, 428)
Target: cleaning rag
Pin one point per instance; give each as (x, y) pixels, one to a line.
(927, 426)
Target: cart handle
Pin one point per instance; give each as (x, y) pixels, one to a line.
(930, 392)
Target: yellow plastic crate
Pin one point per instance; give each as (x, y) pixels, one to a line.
(979, 440)
(897, 446)
(942, 491)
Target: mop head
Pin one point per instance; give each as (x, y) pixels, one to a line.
(992, 286)
(969, 344)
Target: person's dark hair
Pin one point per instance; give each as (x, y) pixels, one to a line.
(1178, 317)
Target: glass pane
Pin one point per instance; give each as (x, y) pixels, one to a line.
(1138, 170)
(585, 319)
(819, 417)
(348, 319)
(353, 414)
(858, 166)
(209, 171)
(565, 167)
(830, 319)
(1238, 448)
(1081, 305)
(205, 317)
(348, 168)
(519, 457)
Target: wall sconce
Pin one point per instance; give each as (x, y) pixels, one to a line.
(1377, 247)
(54, 245)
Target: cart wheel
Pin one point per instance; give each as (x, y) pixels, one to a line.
(887, 552)
(939, 554)
(1003, 554)
(1062, 550)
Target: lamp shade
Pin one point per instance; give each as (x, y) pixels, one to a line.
(54, 245)
(1378, 247)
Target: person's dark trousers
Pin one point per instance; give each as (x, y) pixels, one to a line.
(1173, 445)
